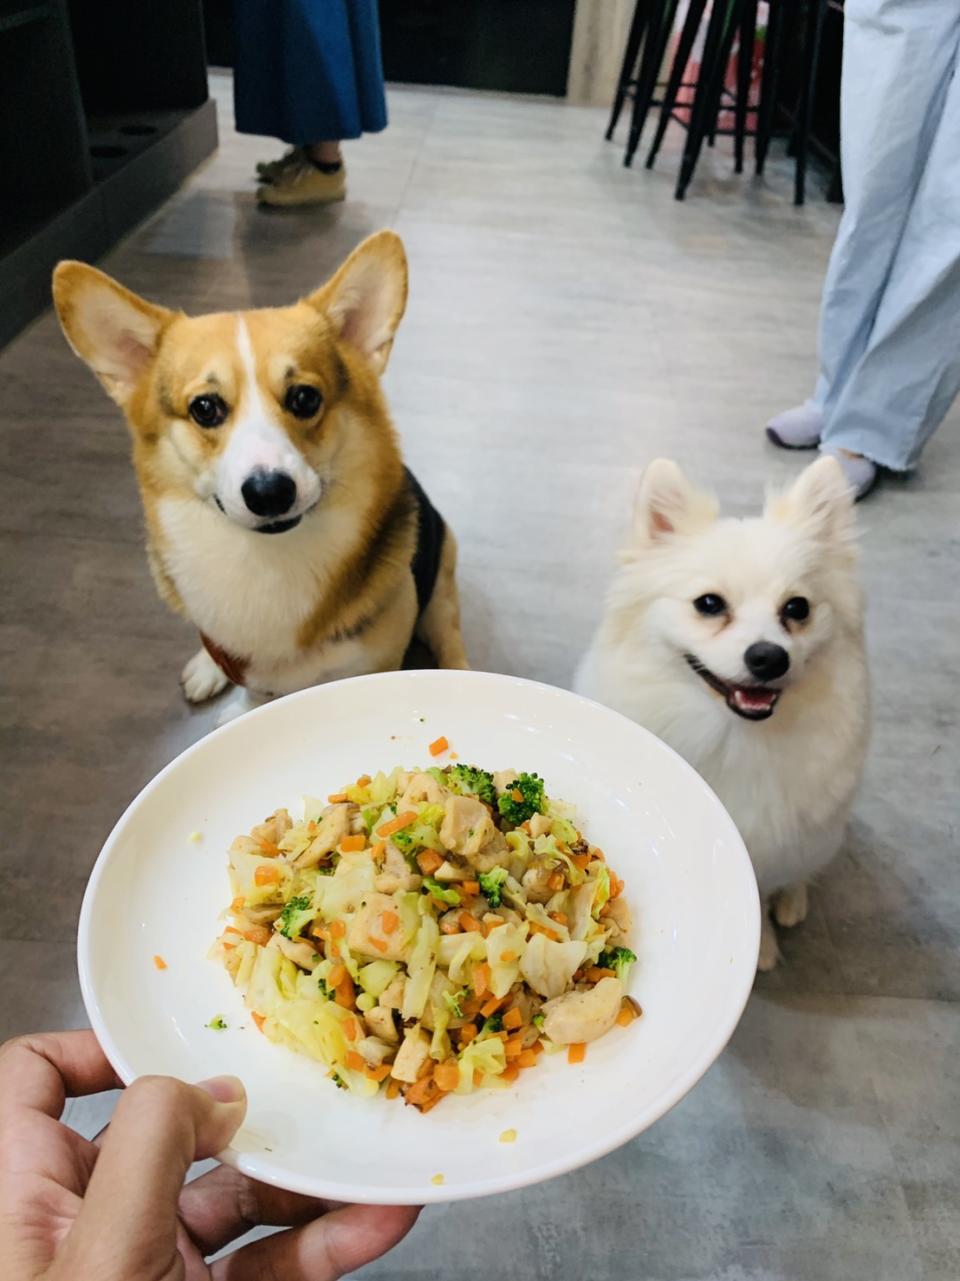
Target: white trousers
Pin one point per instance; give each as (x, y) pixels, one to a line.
(890, 315)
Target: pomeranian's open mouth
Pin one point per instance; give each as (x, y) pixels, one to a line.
(752, 702)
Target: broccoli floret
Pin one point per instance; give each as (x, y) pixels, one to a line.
(441, 892)
(538, 1020)
(467, 780)
(217, 1023)
(295, 915)
(523, 798)
(324, 990)
(492, 885)
(454, 1002)
(492, 1025)
(338, 1081)
(618, 959)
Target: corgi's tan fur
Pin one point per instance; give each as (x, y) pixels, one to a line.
(327, 591)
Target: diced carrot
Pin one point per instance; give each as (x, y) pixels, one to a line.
(597, 972)
(470, 923)
(337, 928)
(513, 1049)
(626, 1016)
(428, 861)
(355, 1061)
(420, 1091)
(512, 1019)
(582, 861)
(337, 798)
(393, 1088)
(344, 994)
(336, 976)
(605, 910)
(577, 1052)
(516, 795)
(430, 1104)
(378, 851)
(527, 1059)
(508, 956)
(470, 887)
(319, 931)
(312, 827)
(491, 1006)
(555, 882)
(268, 848)
(258, 934)
(537, 928)
(491, 924)
(258, 1019)
(450, 926)
(378, 1073)
(511, 1073)
(397, 824)
(616, 887)
(353, 844)
(380, 944)
(438, 746)
(471, 1006)
(389, 922)
(447, 1075)
(537, 1048)
(159, 963)
(559, 917)
(333, 949)
(468, 1033)
(477, 1078)
(228, 947)
(504, 1036)
(598, 853)
(363, 780)
(351, 1029)
(236, 905)
(266, 875)
(481, 978)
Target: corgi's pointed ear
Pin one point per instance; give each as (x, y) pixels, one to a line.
(668, 504)
(110, 328)
(365, 300)
(820, 501)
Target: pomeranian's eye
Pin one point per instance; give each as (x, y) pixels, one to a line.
(208, 411)
(710, 603)
(797, 608)
(303, 401)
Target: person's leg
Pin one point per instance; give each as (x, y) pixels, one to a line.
(909, 375)
(897, 60)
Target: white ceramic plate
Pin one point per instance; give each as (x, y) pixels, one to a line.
(154, 891)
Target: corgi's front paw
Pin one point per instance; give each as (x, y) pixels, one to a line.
(202, 678)
(790, 906)
(769, 951)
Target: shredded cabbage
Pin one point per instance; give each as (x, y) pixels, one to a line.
(487, 1055)
(421, 968)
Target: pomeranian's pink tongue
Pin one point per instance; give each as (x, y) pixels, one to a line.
(753, 699)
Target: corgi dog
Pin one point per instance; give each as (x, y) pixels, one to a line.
(280, 518)
(740, 644)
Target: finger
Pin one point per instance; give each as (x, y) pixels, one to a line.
(159, 1128)
(41, 1072)
(223, 1204)
(324, 1250)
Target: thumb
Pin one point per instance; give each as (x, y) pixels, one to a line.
(127, 1227)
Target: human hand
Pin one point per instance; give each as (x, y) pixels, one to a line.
(116, 1209)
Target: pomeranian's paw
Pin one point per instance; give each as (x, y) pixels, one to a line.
(202, 678)
(790, 906)
(769, 951)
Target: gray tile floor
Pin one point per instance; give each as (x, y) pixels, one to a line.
(568, 321)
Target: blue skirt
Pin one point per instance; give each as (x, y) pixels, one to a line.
(308, 70)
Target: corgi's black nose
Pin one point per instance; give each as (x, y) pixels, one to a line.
(766, 661)
(269, 493)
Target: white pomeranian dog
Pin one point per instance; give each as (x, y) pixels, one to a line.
(740, 643)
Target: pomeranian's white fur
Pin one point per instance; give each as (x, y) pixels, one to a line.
(787, 780)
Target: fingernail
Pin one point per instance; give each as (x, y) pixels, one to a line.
(225, 1089)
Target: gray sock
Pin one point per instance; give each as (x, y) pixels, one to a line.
(798, 428)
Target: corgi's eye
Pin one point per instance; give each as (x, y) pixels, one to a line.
(797, 608)
(208, 411)
(303, 401)
(710, 604)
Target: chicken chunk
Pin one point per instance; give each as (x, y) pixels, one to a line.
(495, 853)
(244, 845)
(618, 920)
(420, 789)
(302, 954)
(391, 998)
(274, 828)
(583, 1016)
(366, 935)
(334, 825)
(380, 1023)
(502, 778)
(395, 874)
(411, 1056)
(536, 880)
(467, 826)
(540, 825)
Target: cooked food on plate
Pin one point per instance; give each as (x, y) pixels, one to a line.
(429, 932)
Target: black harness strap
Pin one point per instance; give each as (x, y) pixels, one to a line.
(430, 529)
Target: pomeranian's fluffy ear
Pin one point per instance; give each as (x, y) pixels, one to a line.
(668, 504)
(820, 501)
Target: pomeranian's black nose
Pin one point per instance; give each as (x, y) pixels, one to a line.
(269, 493)
(766, 661)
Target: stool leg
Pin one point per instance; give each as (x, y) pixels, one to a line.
(768, 83)
(716, 55)
(808, 94)
(635, 35)
(748, 36)
(658, 33)
(688, 35)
